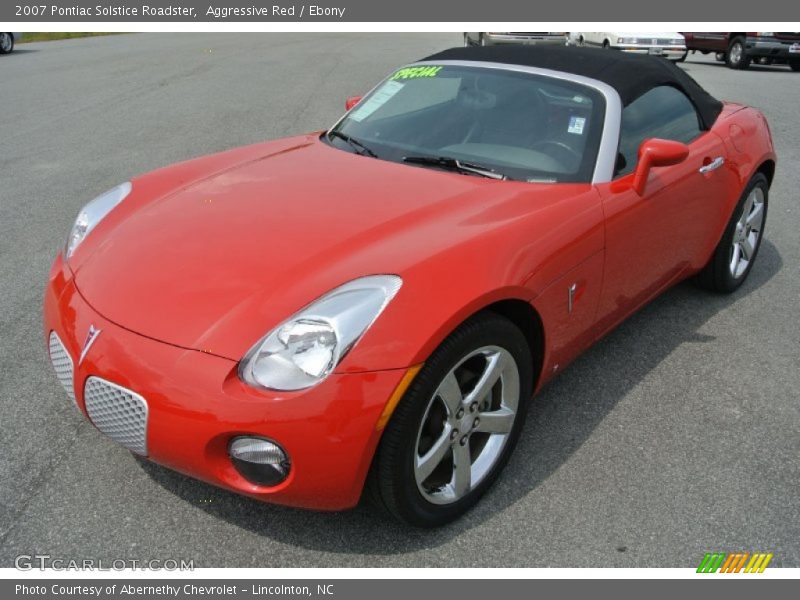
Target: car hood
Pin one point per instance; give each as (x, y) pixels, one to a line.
(651, 34)
(212, 255)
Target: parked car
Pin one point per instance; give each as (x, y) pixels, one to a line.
(667, 44)
(7, 41)
(535, 37)
(375, 304)
(739, 50)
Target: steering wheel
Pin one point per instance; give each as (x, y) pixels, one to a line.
(563, 148)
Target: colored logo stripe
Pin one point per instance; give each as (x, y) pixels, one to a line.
(711, 562)
(758, 563)
(734, 562)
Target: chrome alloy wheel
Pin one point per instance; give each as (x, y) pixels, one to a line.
(736, 53)
(466, 424)
(6, 42)
(747, 234)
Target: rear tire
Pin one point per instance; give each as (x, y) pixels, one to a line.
(736, 252)
(437, 428)
(6, 43)
(794, 65)
(736, 57)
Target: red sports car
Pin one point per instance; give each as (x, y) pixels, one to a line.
(373, 306)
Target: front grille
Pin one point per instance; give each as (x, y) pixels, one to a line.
(62, 364)
(118, 413)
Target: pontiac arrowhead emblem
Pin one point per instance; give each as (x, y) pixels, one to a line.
(91, 336)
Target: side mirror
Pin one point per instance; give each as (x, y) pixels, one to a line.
(656, 153)
(352, 101)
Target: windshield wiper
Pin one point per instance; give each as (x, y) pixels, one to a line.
(357, 146)
(454, 164)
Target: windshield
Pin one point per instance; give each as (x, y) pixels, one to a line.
(496, 122)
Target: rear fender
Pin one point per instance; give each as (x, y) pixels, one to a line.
(748, 141)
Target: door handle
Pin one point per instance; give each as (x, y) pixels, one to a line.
(713, 165)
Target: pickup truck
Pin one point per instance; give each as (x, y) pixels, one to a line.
(740, 49)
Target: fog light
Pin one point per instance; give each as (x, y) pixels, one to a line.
(259, 461)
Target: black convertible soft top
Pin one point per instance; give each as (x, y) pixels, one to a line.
(630, 74)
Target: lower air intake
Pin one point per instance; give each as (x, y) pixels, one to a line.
(118, 413)
(62, 364)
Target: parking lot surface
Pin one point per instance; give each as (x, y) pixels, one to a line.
(676, 435)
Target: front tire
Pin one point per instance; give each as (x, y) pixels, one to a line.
(457, 424)
(6, 43)
(736, 252)
(794, 65)
(736, 57)
(682, 57)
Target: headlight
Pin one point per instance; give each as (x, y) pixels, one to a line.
(628, 41)
(93, 213)
(306, 348)
(765, 33)
(678, 42)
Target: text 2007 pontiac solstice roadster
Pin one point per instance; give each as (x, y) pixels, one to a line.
(372, 307)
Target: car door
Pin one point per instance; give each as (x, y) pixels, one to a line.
(701, 40)
(654, 239)
(594, 38)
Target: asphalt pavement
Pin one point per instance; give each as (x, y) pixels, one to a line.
(677, 435)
